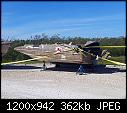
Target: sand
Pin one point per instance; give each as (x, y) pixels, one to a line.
(35, 84)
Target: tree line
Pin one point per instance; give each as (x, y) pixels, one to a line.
(13, 55)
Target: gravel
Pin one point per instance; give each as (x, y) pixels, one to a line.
(35, 84)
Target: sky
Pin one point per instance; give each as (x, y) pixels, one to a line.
(20, 20)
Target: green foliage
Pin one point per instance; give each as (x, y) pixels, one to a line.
(12, 55)
(119, 59)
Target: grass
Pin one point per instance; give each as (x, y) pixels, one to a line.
(118, 59)
(28, 62)
(121, 59)
(31, 62)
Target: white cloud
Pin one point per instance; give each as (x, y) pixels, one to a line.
(92, 19)
(55, 26)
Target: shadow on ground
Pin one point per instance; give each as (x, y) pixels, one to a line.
(69, 68)
(99, 70)
(7, 67)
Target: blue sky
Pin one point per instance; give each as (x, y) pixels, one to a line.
(20, 20)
